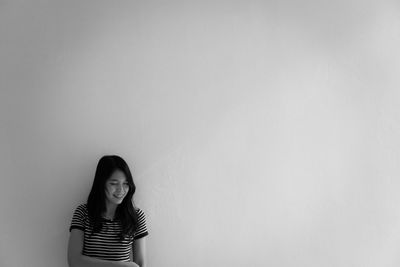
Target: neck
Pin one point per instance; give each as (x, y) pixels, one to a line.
(110, 211)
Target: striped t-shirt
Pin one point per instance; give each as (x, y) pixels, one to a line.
(106, 244)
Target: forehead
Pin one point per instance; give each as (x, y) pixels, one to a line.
(117, 176)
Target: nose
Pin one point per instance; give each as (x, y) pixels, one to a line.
(120, 188)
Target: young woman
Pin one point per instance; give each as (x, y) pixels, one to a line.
(108, 230)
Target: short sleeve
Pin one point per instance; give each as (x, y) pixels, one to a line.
(141, 230)
(79, 218)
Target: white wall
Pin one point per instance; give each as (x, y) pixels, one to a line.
(260, 133)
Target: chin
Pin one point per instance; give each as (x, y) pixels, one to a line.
(118, 201)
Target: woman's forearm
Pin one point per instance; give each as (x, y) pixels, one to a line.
(85, 261)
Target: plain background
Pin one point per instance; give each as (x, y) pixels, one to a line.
(259, 133)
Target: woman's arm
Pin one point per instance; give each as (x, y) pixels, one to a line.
(76, 259)
(139, 252)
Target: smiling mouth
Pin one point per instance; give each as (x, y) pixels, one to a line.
(119, 196)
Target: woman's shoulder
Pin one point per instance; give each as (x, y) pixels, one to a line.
(139, 211)
(82, 209)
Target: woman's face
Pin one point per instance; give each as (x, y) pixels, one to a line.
(116, 188)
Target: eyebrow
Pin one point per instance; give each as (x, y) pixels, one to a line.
(116, 180)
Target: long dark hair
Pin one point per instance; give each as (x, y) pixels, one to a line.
(96, 203)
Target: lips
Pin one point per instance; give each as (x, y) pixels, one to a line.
(119, 196)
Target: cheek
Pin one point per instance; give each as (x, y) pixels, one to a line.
(109, 190)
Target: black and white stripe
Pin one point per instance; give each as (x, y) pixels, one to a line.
(106, 244)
